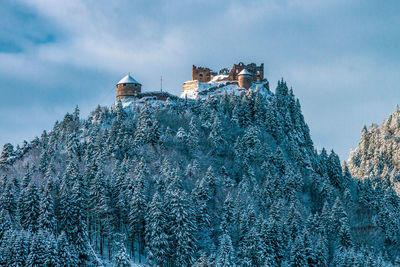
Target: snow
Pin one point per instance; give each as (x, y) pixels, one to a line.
(203, 90)
(128, 79)
(245, 72)
(219, 77)
(129, 103)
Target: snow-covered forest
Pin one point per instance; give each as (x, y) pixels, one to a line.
(378, 153)
(232, 180)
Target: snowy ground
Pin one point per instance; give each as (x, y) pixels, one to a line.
(214, 87)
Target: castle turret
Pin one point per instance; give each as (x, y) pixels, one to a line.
(245, 79)
(128, 87)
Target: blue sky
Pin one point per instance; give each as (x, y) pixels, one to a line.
(341, 57)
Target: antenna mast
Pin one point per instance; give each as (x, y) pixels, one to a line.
(161, 83)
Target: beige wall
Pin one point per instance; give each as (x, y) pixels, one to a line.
(190, 85)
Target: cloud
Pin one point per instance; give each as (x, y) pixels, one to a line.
(341, 57)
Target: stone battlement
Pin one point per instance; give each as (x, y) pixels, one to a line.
(204, 74)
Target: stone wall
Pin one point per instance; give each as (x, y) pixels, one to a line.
(245, 81)
(201, 74)
(257, 71)
(190, 85)
(128, 90)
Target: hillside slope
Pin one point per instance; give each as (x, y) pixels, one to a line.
(378, 153)
(224, 181)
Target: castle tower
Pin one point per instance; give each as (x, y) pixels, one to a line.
(245, 79)
(128, 87)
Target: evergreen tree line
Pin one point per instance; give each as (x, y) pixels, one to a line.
(227, 181)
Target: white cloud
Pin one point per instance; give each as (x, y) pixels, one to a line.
(327, 50)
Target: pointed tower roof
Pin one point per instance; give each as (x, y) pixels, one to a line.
(245, 72)
(128, 79)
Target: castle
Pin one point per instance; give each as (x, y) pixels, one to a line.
(205, 75)
(240, 77)
(129, 89)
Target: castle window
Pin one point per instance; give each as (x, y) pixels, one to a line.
(201, 75)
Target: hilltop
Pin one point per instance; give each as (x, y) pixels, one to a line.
(378, 152)
(231, 179)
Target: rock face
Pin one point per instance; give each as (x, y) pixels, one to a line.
(378, 152)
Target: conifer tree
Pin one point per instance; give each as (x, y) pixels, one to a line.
(226, 255)
(297, 253)
(30, 207)
(66, 253)
(5, 223)
(181, 224)
(321, 253)
(193, 136)
(121, 258)
(38, 252)
(47, 219)
(76, 228)
(344, 234)
(157, 232)
(216, 137)
(335, 170)
(52, 258)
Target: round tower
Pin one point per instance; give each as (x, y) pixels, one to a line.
(245, 79)
(128, 87)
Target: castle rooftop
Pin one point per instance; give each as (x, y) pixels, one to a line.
(245, 72)
(128, 80)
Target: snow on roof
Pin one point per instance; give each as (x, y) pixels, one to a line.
(245, 72)
(128, 79)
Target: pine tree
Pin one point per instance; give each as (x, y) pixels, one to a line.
(66, 253)
(76, 228)
(344, 234)
(52, 258)
(337, 214)
(143, 132)
(226, 254)
(244, 112)
(335, 170)
(321, 253)
(157, 232)
(7, 154)
(5, 223)
(47, 220)
(6, 249)
(216, 137)
(30, 207)
(297, 253)
(138, 206)
(182, 137)
(252, 143)
(21, 247)
(38, 252)
(308, 249)
(193, 136)
(121, 258)
(181, 224)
